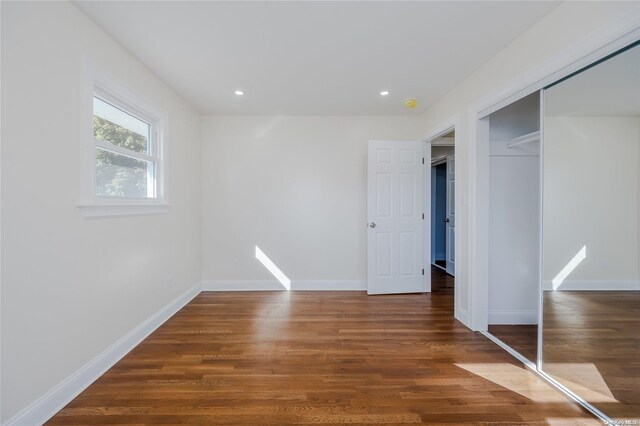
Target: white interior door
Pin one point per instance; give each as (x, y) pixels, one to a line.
(395, 205)
(451, 215)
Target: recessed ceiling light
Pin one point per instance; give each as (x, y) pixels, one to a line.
(384, 93)
(239, 92)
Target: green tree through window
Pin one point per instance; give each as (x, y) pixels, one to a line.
(118, 175)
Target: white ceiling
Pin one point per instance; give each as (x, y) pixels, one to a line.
(611, 88)
(313, 58)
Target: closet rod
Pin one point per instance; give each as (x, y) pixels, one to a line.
(521, 140)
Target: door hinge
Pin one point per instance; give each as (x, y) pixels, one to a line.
(422, 271)
(422, 160)
(422, 216)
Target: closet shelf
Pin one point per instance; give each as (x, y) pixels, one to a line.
(521, 140)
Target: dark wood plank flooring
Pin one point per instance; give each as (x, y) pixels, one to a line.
(318, 357)
(441, 282)
(522, 338)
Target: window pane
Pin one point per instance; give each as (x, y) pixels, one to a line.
(121, 176)
(113, 125)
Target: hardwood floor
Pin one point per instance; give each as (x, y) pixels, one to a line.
(591, 344)
(318, 357)
(441, 263)
(441, 281)
(522, 338)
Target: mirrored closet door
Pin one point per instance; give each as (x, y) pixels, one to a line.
(591, 207)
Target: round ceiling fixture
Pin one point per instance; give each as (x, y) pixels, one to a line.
(410, 102)
(384, 93)
(239, 92)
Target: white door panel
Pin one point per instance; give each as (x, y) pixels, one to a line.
(451, 215)
(394, 208)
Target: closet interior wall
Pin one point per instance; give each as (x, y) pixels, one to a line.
(514, 224)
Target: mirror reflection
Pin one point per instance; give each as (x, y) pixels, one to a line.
(591, 256)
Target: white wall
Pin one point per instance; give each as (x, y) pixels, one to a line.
(555, 35)
(514, 234)
(294, 186)
(73, 287)
(514, 239)
(591, 200)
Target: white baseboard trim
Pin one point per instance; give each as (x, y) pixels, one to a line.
(272, 285)
(329, 285)
(241, 285)
(53, 401)
(462, 316)
(521, 317)
(595, 285)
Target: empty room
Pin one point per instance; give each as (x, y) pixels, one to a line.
(297, 212)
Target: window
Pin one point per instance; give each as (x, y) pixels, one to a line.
(125, 146)
(125, 161)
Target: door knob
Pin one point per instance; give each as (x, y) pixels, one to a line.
(446, 220)
(372, 225)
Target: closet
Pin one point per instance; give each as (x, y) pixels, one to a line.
(563, 228)
(514, 224)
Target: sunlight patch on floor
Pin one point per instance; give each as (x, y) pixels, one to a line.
(583, 379)
(556, 421)
(516, 379)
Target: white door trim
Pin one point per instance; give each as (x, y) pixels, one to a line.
(450, 264)
(426, 222)
(611, 38)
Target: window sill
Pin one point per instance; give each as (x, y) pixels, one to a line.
(96, 211)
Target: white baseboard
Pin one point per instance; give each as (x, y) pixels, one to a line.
(463, 316)
(53, 401)
(272, 285)
(241, 285)
(329, 285)
(595, 285)
(521, 317)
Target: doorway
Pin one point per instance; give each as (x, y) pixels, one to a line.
(439, 214)
(399, 214)
(441, 172)
(443, 203)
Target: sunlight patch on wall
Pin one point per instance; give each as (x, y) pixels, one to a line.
(569, 267)
(271, 267)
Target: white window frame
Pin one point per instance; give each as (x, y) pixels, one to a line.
(103, 86)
